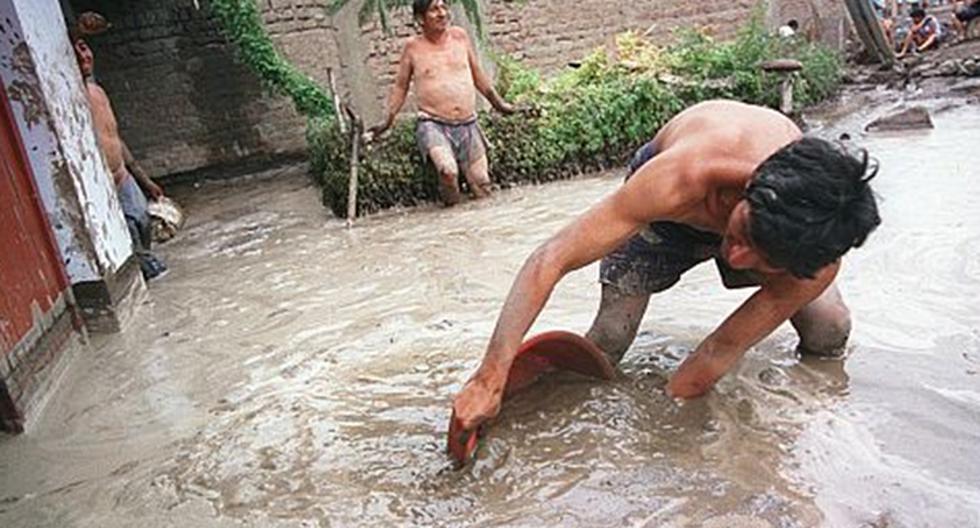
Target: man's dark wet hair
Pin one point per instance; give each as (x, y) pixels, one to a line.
(419, 7)
(917, 13)
(810, 203)
(793, 24)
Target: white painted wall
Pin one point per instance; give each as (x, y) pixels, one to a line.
(70, 171)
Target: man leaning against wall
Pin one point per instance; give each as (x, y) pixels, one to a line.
(128, 176)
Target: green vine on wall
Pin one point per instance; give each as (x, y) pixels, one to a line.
(242, 23)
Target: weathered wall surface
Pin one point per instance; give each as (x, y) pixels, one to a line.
(823, 20)
(183, 99)
(185, 102)
(49, 104)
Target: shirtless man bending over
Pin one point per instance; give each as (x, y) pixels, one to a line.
(447, 76)
(120, 162)
(725, 181)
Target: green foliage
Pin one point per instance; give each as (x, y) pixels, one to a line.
(731, 70)
(585, 118)
(390, 172)
(242, 24)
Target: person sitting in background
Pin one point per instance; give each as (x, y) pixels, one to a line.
(924, 34)
(790, 29)
(963, 14)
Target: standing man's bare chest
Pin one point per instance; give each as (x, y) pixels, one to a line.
(439, 61)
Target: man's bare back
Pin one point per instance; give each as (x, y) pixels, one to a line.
(444, 84)
(107, 129)
(719, 145)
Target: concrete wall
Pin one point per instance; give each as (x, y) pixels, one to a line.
(185, 102)
(45, 88)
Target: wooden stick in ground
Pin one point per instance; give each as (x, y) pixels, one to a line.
(336, 101)
(355, 139)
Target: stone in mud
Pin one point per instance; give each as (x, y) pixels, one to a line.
(967, 87)
(914, 118)
(970, 67)
(947, 68)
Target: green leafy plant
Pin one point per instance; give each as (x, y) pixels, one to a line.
(241, 22)
(586, 118)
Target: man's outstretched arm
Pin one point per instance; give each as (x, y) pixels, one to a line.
(775, 302)
(399, 91)
(483, 83)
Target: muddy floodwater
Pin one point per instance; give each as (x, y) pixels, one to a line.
(291, 372)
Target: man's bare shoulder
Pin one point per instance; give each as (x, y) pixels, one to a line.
(412, 43)
(459, 33)
(95, 92)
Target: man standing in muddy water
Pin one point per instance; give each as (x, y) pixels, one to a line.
(723, 180)
(447, 76)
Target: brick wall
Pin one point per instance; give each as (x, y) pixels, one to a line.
(184, 102)
(549, 33)
(183, 99)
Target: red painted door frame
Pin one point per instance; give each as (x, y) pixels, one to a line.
(32, 276)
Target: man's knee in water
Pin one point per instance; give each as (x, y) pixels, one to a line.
(449, 188)
(614, 339)
(447, 174)
(478, 178)
(617, 322)
(828, 337)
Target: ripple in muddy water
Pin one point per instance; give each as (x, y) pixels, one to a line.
(289, 372)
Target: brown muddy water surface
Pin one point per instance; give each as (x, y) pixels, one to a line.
(289, 372)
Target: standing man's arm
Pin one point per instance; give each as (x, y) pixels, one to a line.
(483, 83)
(142, 178)
(399, 92)
(775, 302)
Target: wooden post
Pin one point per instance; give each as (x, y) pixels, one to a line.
(786, 69)
(336, 101)
(355, 140)
(786, 95)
